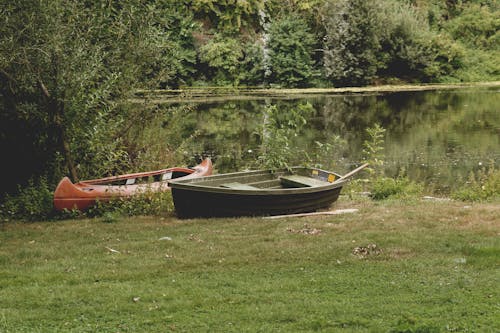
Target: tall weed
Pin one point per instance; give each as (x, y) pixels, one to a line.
(373, 150)
(382, 187)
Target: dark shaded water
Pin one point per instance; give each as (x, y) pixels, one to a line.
(434, 137)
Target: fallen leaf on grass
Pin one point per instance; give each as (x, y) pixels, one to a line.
(112, 250)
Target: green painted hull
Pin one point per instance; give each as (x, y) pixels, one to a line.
(255, 193)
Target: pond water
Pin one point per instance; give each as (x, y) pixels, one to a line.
(434, 137)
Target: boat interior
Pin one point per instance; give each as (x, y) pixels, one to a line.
(165, 176)
(268, 180)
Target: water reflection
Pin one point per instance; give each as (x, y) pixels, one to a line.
(436, 137)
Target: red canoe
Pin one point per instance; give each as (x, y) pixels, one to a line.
(84, 194)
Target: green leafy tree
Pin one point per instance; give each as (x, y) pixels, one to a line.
(228, 15)
(384, 39)
(175, 29)
(352, 41)
(222, 55)
(406, 43)
(252, 69)
(290, 52)
(66, 68)
(477, 26)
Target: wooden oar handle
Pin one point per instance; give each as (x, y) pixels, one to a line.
(349, 174)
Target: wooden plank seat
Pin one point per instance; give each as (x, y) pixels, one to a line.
(300, 181)
(238, 186)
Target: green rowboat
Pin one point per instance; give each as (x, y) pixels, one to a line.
(258, 193)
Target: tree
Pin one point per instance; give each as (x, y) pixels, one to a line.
(66, 68)
(352, 41)
(368, 40)
(222, 54)
(290, 52)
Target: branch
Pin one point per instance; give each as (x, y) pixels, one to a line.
(44, 89)
(11, 79)
(7, 76)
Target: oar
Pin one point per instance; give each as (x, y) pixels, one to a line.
(351, 173)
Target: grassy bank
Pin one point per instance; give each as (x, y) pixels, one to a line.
(423, 266)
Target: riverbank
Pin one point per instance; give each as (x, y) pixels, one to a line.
(420, 265)
(214, 94)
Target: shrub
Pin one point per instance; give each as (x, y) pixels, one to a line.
(477, 26)
(445, 57)
(483, 186)
(33, 202)
(147, 203)
(401, 187)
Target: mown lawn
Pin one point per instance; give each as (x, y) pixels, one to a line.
(435, 267)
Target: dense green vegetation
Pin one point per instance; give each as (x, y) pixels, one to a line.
(69, 68)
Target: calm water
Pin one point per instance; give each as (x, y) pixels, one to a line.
(434, 137)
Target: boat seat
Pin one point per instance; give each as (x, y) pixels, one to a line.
(238, 186)
(300, 181)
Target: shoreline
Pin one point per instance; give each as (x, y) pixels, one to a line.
(214, 94)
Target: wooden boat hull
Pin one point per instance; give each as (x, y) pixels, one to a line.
(84, 194)
(209, 198)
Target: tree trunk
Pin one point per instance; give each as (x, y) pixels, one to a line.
(56, 108)
(63, 140)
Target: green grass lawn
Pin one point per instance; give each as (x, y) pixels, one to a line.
(436, 267)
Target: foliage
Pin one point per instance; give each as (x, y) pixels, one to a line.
(222, 54)
(481, 186)
(251, 67)
(290, 52)
(382, 187)
(445, 57)
(352, 41)
(373, 150)
(478, 26)
(405, 51)
(470, 72)
(32, 202)
(68, 67)
(228, 16)
(384, 39)
(278, 131)
(401, 187)
(177, 57)
(146, 203)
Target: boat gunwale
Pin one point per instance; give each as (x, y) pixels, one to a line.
(196, 184)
